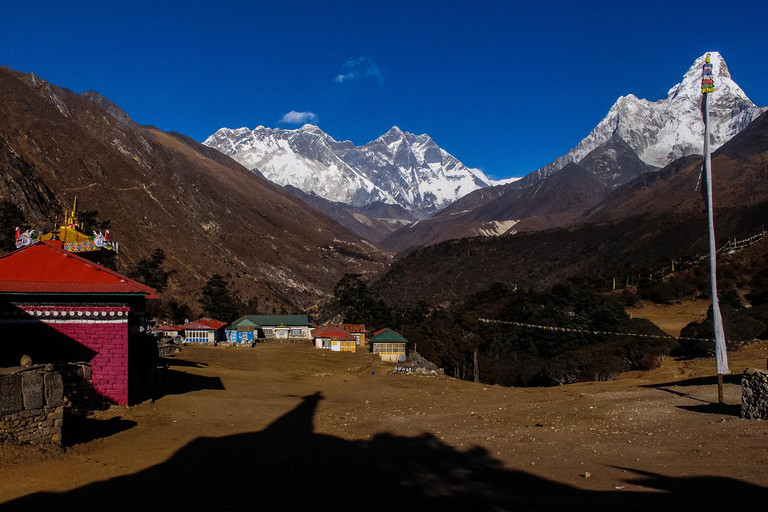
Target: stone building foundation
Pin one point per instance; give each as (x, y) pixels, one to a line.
(31, 406)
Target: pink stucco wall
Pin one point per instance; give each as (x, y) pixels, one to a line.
(103, 330)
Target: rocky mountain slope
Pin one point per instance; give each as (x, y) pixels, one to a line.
(636, 137)
(397, 168)
(208, 213)
(363, 221)
(639, 227)
(663, 131)
(555, 201)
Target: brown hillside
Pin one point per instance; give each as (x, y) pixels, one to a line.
(207, 212)
(638, 228)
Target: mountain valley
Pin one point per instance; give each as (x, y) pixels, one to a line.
(163, 190)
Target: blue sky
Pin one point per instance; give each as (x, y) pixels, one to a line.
(505, 86)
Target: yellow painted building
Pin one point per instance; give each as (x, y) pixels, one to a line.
(389, 345)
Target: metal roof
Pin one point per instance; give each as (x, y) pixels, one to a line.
(333, 333)
(204, 324)
(169, 328)
(242, 322)
(43, 268)
(274, 320)
(356, 328)
(388, 336)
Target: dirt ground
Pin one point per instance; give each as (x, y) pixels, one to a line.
(672, 318)
(289, 427)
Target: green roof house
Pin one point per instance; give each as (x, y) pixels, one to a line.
(389, 345)
(254, 327)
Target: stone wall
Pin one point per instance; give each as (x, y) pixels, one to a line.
(31, 407)
(754, 394)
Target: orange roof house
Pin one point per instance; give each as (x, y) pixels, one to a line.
(58, 307)
(169, 328)
(169, 331)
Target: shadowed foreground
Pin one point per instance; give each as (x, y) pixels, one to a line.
(287, 466)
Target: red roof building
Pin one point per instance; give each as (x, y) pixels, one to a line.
(57, 307)
(205, 323)
(170, 328)
(333, 338)
(47, 268)
(356, 330)
(204, 330)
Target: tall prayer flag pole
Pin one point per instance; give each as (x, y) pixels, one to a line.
(708, 86)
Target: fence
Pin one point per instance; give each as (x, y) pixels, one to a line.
(683, 263)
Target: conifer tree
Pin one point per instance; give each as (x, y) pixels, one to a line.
(150, 271)
(217, 300)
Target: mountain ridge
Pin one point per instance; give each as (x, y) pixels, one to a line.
(158, 189)
(397, 167)
(638, 227)
(662, 131)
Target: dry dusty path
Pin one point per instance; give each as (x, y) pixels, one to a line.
(289, 427)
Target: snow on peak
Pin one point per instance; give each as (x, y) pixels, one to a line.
(664, 130)
(690, 86)
(311, 128)
(506, 181)
(397, 167)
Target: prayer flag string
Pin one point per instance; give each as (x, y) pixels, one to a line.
(587, 331)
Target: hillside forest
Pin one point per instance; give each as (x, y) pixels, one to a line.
(453, 337)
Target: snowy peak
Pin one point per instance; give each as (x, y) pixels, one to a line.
(665, 130)
(690, 87)
(396, 168)
(393, 133)
(311, 128)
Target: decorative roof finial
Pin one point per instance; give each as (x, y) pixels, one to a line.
(707, 79)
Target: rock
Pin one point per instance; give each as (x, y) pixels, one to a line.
(10, 394)
(754, 394)
(32, 390)
(54, 389)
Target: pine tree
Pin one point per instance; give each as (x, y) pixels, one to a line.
(217, 301)
(150, 271)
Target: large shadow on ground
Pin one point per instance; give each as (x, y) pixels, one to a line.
(175, 382)
(174, 378)
(709, 380)
(288, 466)
(701, 405)
(79, 428)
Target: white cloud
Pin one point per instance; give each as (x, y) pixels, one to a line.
(294, 117)
(360, 68)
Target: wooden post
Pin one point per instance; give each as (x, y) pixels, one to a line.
(477, 371)
(720, 388)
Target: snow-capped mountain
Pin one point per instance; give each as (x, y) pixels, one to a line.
(664, 130)
(397, 168)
